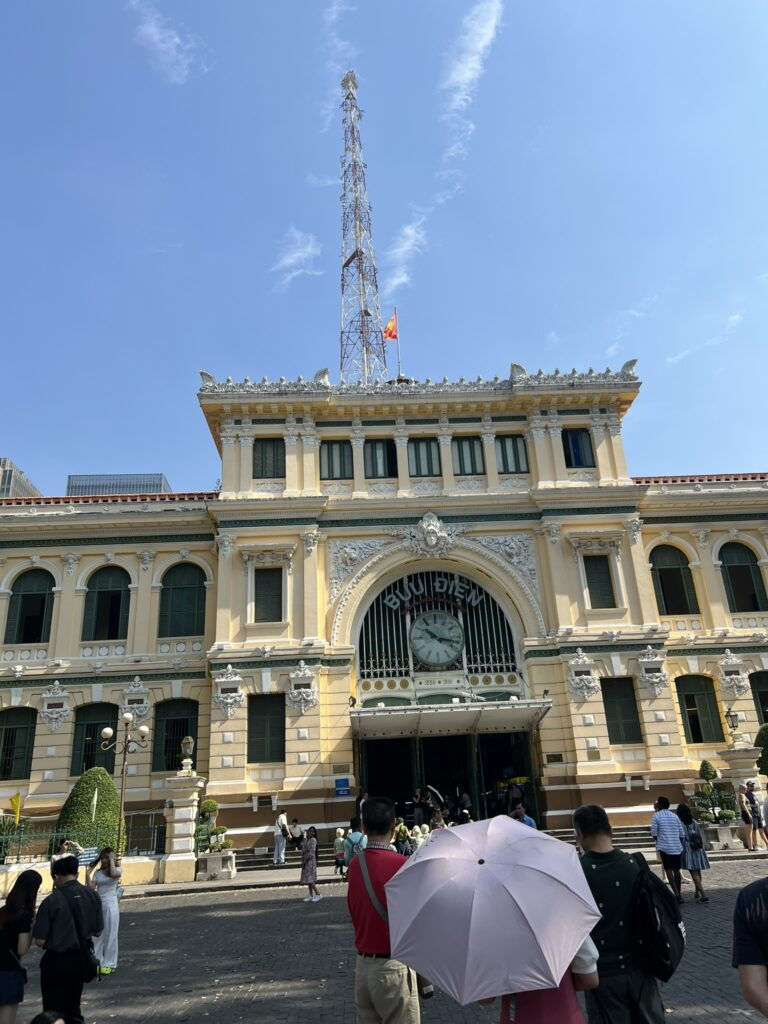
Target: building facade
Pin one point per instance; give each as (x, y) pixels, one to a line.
(14, 483)
(453, 584)
(116, 483)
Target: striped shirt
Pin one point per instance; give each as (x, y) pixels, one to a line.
(668, 831)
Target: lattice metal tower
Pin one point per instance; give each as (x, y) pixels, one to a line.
(363, 349)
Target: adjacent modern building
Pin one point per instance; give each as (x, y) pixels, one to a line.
(454, 584)
(14, 483)
(116, 483)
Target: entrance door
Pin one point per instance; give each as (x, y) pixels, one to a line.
(502, 759)
(446, 764)
(388, 769)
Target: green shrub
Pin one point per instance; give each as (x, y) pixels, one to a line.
(9, 833)
(727, 815)
(707, 771)
(761, 740)
(75, 818)
(208, 809)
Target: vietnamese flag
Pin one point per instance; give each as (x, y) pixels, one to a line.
(390, 331)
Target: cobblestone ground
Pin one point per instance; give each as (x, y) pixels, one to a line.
(266, 956)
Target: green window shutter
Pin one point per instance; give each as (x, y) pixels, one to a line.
(174, 719)
(17, 739)
(266, 729)
(759, 684)
(89, 615)
(182, 601)
(336, 460)
(702, 692)
(597, 569)
(268, 595)
(672, 581)
(45, 635)
(268, 458)
(87, 753)
(621, 711)
(12, 622)
(125, 607)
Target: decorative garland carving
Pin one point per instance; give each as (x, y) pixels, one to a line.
(302, 693)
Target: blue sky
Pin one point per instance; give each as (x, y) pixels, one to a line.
(555, 183)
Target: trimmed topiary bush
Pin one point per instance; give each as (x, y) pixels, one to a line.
(77, 820)
(761, 740)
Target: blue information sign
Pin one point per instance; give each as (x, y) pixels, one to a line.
(342, 787)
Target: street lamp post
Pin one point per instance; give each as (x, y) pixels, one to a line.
(128, 744)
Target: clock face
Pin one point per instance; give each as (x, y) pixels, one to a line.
(437, 639)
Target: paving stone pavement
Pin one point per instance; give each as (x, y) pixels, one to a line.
(265, 956)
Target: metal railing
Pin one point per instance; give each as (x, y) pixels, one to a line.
(27, 844)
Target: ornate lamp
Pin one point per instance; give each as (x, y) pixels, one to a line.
(187, 752)
(732, 718)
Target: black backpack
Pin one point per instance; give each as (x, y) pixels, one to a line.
(659, 928)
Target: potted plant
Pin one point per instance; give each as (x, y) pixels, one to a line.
(714, 804)
(214, 857)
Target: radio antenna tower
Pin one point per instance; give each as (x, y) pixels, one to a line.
(363, 351)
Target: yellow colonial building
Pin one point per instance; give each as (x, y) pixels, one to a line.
(446, 583)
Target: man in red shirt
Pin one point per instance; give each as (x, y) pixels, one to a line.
(385, 989)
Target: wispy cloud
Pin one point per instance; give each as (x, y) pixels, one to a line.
(179, 55)
(298, 252)
(339, 54)
(410, 241)
(458, 88)
(732, 323)
(322, 180)
(552, 338)
(626, 320)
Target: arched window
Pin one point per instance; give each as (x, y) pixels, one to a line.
(698, 707)
(17, 739)
(87, 751)
(759, 684)
(106, 604)
(30, 608)
(182, 601)
(672, 581)
(174, 719)
(742, 579)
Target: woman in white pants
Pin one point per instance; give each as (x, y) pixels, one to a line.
(105, 881)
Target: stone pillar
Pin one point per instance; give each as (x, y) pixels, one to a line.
(246, 466)
(702, 596)
(291, 467)
(145, 631)
(311, 585)
(446, 461)
(558, 457)
(226, 614)
(310, 444)
(602, 454)
(489, 457)
(178, 864)
(742, 765)
(641, 582)
(403, 476)
(714, 594)
(617, 451)
(542, 457)
(230, 467)
(360, 488)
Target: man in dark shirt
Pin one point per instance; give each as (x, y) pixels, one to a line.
(750, 943)
(626, 994)
(55, 931)
(385, 989)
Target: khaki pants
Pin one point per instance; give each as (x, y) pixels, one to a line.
(385, 992)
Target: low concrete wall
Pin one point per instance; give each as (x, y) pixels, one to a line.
(136, 871)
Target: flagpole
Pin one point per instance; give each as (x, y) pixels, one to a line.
(397, 323)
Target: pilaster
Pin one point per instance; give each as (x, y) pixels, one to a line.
(246, 465)
(291, 466)
(489, 457)
(403, 477)
(230, 467)
(602, 454)
(558, 457)
(360, 488)
(621, 473)
(310, 444)
(536, 440)
(446, 461)
(310, 583)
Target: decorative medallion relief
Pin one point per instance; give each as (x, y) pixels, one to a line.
(136, 699)
(55, 710)
(653, 670)
(302, 692)
(583, 681)
(229, 697)
(429, 538)
(732, 675)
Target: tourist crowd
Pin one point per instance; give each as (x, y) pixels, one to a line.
(637, 941)
(76, 926)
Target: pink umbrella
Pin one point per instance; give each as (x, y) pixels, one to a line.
(490, 908)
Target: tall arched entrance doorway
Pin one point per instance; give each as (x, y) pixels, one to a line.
(441, 702)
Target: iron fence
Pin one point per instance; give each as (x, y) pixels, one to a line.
(27, 844)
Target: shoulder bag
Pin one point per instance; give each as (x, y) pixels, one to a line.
(425, 988)
(90, 964)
